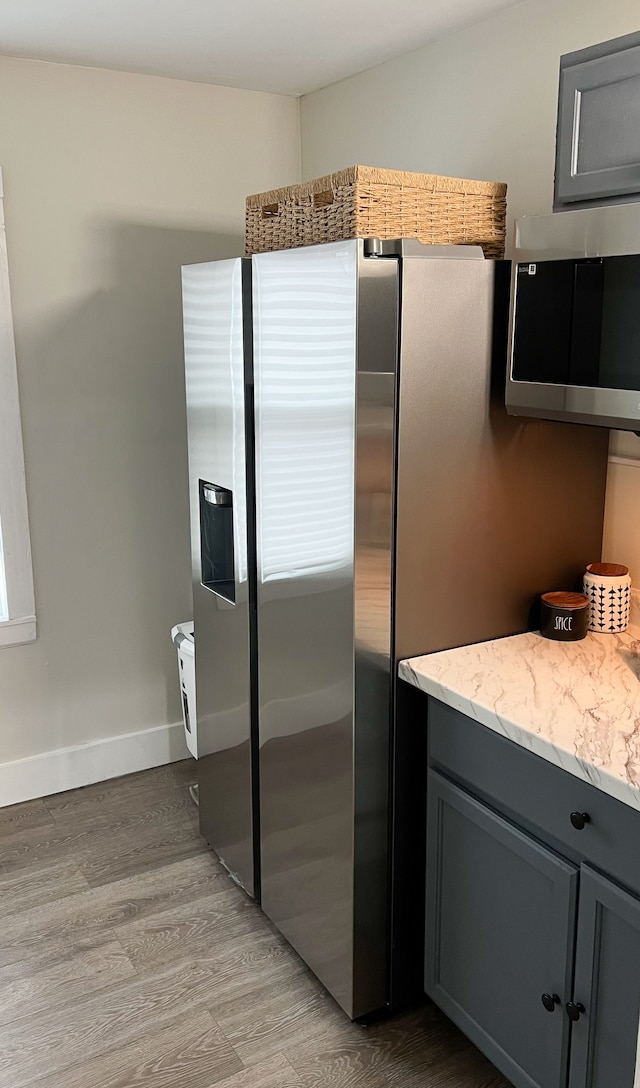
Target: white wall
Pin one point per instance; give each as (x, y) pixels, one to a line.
(480, 103)
(112, 181)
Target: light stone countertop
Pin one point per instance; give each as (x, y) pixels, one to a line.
(576, 704)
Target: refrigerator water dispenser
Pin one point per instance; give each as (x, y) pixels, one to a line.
(216, 540)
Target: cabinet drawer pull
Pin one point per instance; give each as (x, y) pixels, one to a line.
(550, 1001)
(574, 1010)
(580, 819)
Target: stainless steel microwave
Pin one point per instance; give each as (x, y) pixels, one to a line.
(574, 334)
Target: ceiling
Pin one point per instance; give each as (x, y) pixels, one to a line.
(286, 46)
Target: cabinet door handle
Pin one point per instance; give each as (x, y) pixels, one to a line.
(580, 819)
(574, 1010)
(550, 1001)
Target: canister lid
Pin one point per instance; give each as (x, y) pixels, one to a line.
(608, 570)
(560, 599)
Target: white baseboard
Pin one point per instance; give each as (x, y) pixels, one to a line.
(68, 768)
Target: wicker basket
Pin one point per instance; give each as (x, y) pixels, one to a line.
(365, 202)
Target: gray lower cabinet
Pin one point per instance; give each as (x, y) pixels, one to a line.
(500, 922)
(530, 950)
(604, 1043)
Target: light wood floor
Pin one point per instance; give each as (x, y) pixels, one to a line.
(128, 959)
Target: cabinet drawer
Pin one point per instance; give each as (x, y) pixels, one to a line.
(537, 795)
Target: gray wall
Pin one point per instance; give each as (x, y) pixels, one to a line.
(481, 103)
(111, 182)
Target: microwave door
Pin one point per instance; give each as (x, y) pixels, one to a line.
(543, 322)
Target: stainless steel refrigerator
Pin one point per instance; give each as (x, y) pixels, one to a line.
(358, 495)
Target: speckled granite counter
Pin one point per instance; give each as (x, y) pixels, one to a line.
(576, 704)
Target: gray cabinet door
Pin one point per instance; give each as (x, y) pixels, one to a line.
(500, 932)
(598, 138)
(604, 1044)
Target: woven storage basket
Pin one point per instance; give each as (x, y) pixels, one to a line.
(366, 202)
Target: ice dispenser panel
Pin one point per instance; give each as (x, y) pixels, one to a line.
(216, 540)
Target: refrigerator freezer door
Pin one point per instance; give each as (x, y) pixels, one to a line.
(324, 469)
(216, 298)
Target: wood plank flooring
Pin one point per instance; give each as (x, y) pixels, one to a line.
(129, 959)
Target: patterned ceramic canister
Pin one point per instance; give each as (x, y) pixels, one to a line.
(608, 587)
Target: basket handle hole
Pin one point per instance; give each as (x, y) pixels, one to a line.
(323, 200)
(270, 210)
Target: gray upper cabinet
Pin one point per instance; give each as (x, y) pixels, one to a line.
(604, 1042)
(598, 137)
(500, 924)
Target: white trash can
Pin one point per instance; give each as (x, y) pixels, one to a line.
(183, 638)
